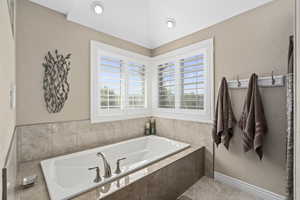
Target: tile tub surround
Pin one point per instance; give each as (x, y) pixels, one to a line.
(164, 180)
(42, 141)
(194, 133)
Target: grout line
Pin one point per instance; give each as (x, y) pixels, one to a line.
(10, 146)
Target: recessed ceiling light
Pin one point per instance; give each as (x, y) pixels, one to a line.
(97, 7)
(171, 23)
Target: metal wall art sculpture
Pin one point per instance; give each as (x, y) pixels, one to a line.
(55, 83)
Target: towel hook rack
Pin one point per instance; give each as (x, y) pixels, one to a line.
(273, 79)
(266, 81)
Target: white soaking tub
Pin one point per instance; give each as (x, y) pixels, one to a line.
(68, 176)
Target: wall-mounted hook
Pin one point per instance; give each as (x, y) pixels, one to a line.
(273, 79)
(238, 81)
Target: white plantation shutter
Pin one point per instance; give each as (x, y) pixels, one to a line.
(119, 84)
(182, 83)
(193, 82)
(110, 81)
(166, 85)
(136, 85)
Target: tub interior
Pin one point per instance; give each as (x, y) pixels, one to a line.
(67, 174)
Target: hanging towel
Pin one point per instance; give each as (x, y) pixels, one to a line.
(224, 121)
(290, 122)
(253, 122)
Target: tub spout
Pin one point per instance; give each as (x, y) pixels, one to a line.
(107, 169)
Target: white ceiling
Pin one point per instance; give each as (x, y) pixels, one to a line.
(144, 21)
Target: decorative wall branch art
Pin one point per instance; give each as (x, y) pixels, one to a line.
(55, 83)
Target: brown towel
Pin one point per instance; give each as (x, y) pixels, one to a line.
(224, 121)
(253, 122)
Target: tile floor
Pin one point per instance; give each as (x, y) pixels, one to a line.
(209, 189)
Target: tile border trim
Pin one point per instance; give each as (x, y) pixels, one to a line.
(244, 186)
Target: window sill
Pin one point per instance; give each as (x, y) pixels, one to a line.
(118, 117)
(184, 115)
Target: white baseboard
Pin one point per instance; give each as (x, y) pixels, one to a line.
(252, 189)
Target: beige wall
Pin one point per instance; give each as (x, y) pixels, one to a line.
(256, 41)
(7, 77)
(41, 30)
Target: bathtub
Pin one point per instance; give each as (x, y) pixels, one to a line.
(68, 176)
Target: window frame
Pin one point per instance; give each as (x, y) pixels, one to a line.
(205, 115)
(98, 49)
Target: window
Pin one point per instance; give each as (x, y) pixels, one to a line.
(136, 85)
(166, 84)
(184, 85)
(110, 82)
(192, 73)
(118, 84)
(177, 85)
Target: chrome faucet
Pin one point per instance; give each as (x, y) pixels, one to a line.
(118, 168)
(98, 177)
(107, 169)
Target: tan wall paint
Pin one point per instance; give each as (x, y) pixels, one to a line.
(7, 77)
(256, 41)
(41, 30)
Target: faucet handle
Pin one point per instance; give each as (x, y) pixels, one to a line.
(98, 177)
(118, 169)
